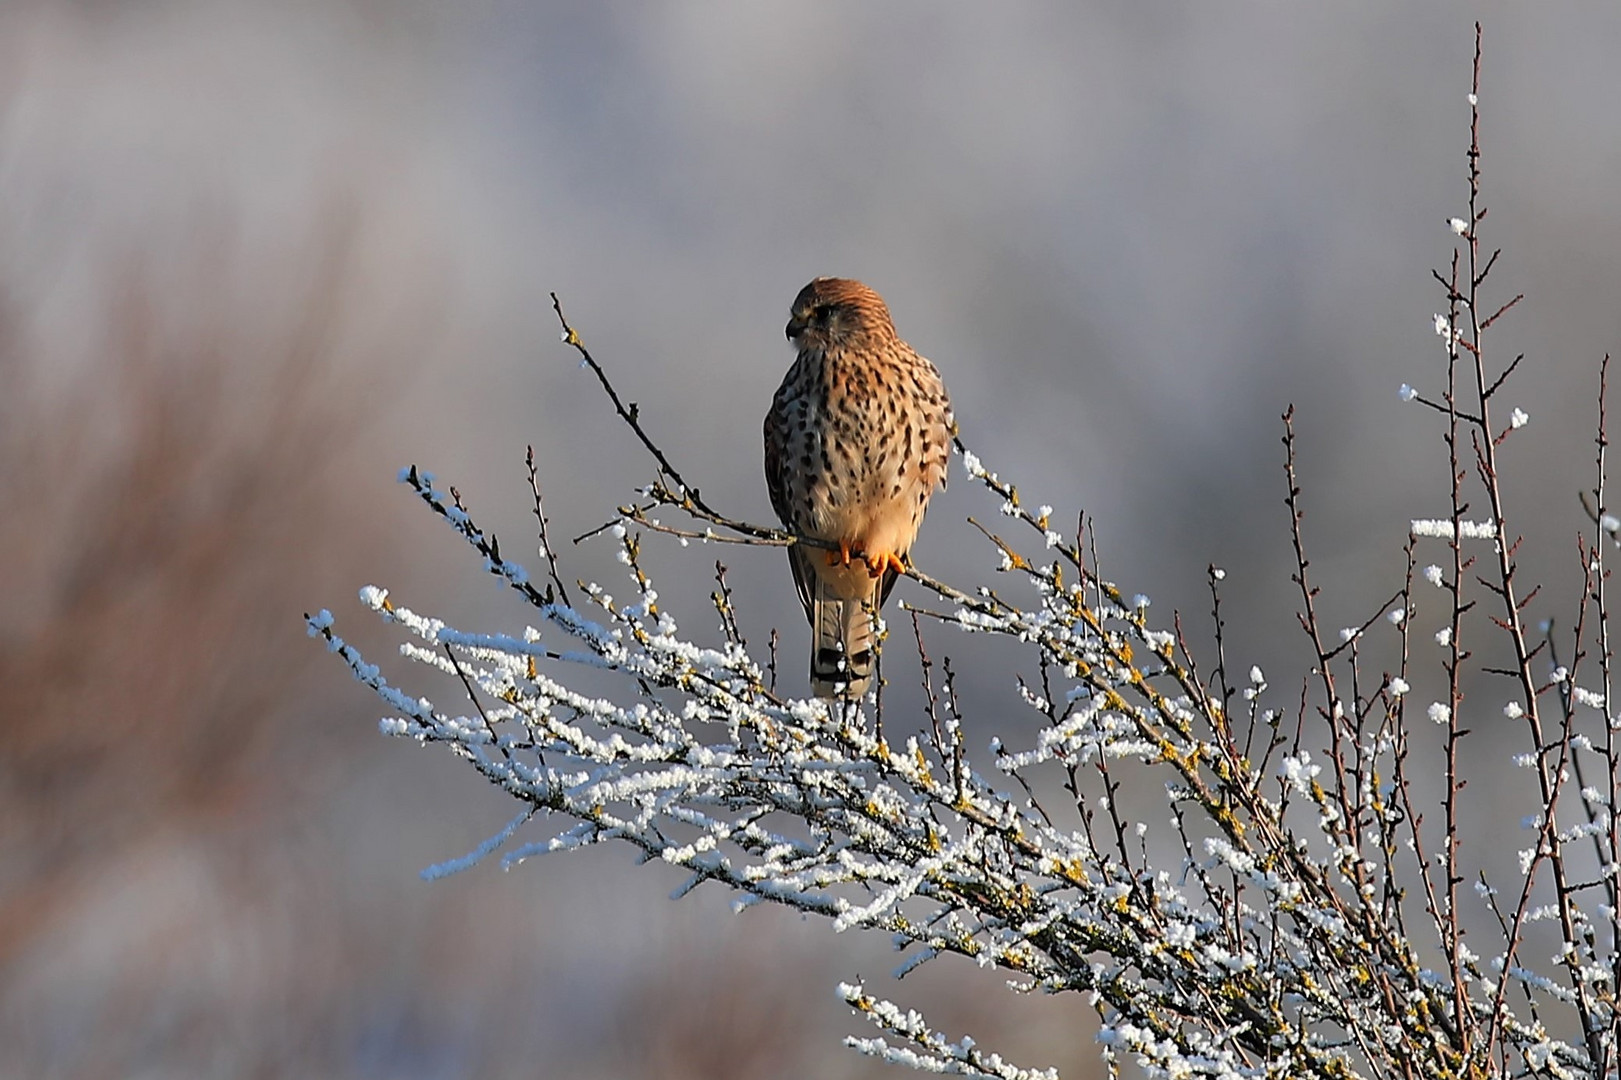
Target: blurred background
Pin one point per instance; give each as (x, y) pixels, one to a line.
(256, 256)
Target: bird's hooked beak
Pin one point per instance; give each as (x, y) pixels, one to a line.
(796, 326)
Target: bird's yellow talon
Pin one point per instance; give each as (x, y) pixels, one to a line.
(877, 564)
(840, 557)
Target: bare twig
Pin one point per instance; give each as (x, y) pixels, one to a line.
(546, 548)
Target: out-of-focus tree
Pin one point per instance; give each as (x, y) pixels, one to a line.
(155, 506)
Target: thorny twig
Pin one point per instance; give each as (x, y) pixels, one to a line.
(546, 549)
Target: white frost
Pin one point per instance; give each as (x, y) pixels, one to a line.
(474, 857)
(1441, 529)
(1298, 772)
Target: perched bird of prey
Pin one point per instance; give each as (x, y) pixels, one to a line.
(856, 441)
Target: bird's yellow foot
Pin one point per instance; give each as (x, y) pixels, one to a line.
(877, 564)
(840, 557)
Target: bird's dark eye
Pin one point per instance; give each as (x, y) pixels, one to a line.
(822, 314)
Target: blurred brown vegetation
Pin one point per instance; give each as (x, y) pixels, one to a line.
(159, 506)
(168, 507)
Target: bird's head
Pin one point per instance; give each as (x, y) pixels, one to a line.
(837, 312)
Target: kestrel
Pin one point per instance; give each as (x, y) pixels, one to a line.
(856, 441)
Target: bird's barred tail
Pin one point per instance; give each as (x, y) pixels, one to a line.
(841, 644)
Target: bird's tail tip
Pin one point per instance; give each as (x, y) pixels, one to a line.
(837, 677)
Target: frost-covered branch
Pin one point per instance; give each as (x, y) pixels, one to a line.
(1296, 917)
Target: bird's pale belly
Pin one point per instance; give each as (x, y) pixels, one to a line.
(873, 525)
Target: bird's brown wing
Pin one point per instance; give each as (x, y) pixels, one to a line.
(777, 486)
(890, 578)
(804, 576)
(775, 482)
